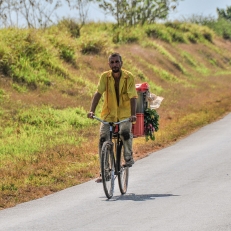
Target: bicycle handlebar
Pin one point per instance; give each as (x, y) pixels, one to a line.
(105, 122)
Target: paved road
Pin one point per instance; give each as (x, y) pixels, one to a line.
(185, 187)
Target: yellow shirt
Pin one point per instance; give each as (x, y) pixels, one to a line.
(111, 112)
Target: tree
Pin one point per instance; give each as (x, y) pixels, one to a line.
(225, 14)
(82, 7)
(132, 12)
(33, 13)
(6, 10)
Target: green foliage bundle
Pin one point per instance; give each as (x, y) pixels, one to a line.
(151, 123)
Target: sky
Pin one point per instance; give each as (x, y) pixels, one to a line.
(185, 9)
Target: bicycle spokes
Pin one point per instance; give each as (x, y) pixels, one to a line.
(123, 171)
(108, 169)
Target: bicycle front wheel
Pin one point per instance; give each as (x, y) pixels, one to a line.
(123, 171)
(108, 168)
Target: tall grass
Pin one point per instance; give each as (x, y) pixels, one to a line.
(34, 58)
(36, 129)
(194, 63)
(175, 32)
(164, 52)
(220, 26)
(28, 59)
(163, 74)
(141, 77)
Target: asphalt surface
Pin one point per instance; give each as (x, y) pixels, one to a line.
(185, 187)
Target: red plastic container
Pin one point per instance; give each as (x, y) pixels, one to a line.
(138, 127)
(142, 87)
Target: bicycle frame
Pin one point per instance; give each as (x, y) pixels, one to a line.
(118, 139)
(111, 161)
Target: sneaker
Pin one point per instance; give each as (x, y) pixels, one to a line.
(107, 177)
(129, 162)
(99, 180)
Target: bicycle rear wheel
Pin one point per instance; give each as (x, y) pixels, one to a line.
(108, 168)
(123, 171)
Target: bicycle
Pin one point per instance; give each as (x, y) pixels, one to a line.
(112, 163)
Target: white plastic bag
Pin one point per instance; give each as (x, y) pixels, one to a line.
(154, 101)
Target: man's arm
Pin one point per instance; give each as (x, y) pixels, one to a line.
(94, 104)
(133, 102)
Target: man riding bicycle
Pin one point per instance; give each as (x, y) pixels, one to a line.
(120, 98)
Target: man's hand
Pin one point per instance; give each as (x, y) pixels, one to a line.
(132, 118)
(90, 114)
(94, 103)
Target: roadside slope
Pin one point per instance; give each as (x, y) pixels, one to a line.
(194, 80)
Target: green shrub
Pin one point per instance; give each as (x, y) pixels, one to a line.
(174, 25)
(226, 35)
(68, 54)
(207, 34)
(178, 36)
(92, 45)
(191, 37)
(220, 26)
(158, 31)
(72, 26)
(125, 35)
(2, 94)
(223, 28)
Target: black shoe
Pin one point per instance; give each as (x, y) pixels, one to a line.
(129, 162)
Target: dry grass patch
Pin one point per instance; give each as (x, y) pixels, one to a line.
(28, 178)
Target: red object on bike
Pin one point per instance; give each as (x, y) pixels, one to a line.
(142, 87)
(116, 128)
(138, 127)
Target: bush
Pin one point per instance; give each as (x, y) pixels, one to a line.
(158, 31)
(207, 34)
(92, 46)
(72, 26)
(191, 37)
(221, 26)
(125, 36)
(68, 54)
(177, 36)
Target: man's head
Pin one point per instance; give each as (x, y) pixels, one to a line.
(115, 62)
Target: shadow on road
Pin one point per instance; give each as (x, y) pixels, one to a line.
(140, 197)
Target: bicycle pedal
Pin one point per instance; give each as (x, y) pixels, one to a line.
(127, 165)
